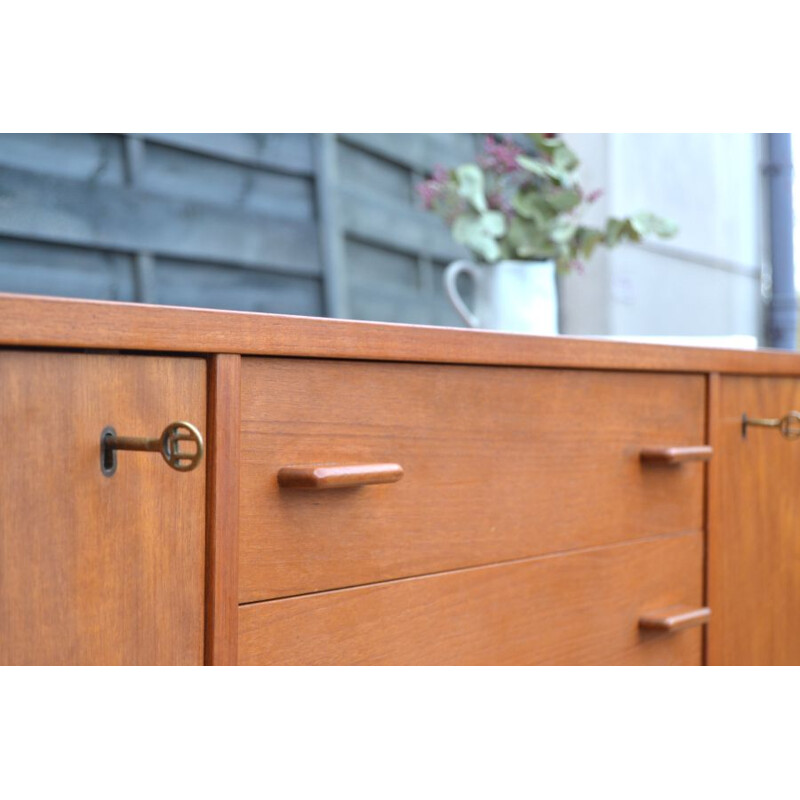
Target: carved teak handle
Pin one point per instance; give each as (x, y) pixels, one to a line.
(674, 618)
(338, 476)
(675, 455)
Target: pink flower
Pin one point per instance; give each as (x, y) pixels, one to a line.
(428, 191)
(498, 202)
(594, 195)
(433, 188)
(500, 157)
(440, 174)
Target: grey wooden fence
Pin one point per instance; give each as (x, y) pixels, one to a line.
(287, 223)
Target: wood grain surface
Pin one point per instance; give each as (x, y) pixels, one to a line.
(222, 502)
(581, 608)
(58, 322)
(499, 463)
(95, 569)
(754, 528)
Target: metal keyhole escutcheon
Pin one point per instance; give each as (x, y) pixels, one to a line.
(788, 425)
(182, 460)
(180, 445)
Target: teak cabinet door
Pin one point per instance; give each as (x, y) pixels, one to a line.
(754, 526)
(96, 569)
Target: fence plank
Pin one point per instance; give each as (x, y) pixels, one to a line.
(368, 264)
(389, 304)
(91, 157)
(211, 286)
(38, 268)
(418, 151)
(285, 152)
(126, 219)
(373, 174)
(396, 226)
(175, 173)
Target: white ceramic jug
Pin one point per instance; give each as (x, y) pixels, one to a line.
(515, 296)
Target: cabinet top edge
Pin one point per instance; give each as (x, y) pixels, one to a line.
(28, 321)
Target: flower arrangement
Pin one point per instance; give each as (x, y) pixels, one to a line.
(514, 205)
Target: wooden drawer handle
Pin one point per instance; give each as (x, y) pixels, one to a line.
(339, 476)
(675, 455)
(674, 618)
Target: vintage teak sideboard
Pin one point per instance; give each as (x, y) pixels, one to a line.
(185, 486)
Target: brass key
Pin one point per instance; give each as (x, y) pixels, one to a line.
(789, 425)
(168, 444)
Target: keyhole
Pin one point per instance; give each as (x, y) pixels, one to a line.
(108, 456)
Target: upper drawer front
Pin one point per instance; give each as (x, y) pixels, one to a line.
(581, 608)
(500, 463)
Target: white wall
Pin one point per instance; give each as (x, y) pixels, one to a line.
(705, 281)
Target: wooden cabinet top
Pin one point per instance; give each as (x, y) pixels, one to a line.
(57, 322)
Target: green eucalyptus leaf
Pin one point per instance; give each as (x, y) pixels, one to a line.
(560, 176)
(564, 200)
(480, 232)
(613, 231)
(506, 251)
(563, 231)
(565, 159)
(544, 143)
(532, 204)
(587, 239)
(471, 186)
(533, 165)
(529, 240)
(563, 264)
(646, 223)
(630, 232)
(542, 169)
(667, 228)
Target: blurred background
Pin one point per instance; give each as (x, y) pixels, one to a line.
(330, 225)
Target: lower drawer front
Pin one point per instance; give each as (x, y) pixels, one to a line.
(580, 608)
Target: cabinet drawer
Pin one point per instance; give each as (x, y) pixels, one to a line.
(582, 608)
(500, 463)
